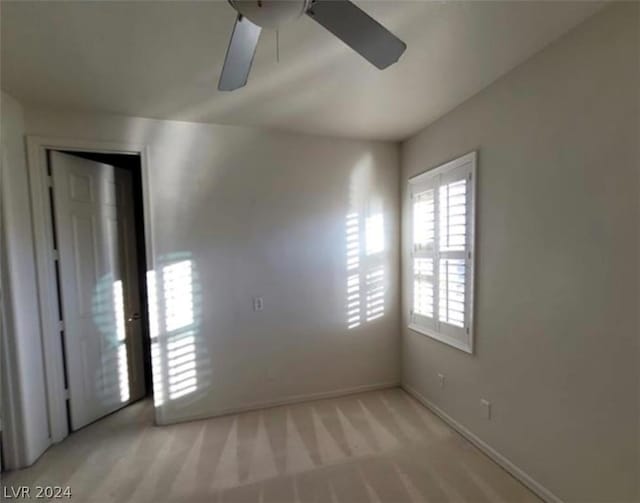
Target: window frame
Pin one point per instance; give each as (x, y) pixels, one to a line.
(461, 338)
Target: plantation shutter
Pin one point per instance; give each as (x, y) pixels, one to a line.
(442, 252)
(424, 255)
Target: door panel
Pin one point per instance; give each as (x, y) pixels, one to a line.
(99, 286)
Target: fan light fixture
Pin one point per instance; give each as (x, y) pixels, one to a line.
(341, 17)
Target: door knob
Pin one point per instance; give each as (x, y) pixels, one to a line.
(134, 317)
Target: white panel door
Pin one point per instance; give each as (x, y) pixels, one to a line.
(96, 241)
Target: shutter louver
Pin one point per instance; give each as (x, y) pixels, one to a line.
(453, 216)
(452, 244)
(423, 253)
(451, 292)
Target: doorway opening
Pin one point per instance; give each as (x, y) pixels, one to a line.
(98, 239)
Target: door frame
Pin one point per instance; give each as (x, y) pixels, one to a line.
(37, 147)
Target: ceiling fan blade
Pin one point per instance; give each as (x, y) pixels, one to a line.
(237, 62)
(358, 30)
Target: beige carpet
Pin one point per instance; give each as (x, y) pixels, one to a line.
(371, 447)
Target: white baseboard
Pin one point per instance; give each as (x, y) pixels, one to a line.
(514, 470)
(283, 401)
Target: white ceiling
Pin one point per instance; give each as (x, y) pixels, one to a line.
(162, 59)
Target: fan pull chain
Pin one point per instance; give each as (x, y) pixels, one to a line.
(277, 46)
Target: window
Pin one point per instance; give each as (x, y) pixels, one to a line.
(442, 254)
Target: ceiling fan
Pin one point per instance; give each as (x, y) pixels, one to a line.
(341, 17)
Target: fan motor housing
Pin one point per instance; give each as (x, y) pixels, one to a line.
(271, 13)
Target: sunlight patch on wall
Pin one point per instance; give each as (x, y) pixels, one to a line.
(353, 266)
(176, 347)
(375, 234)
(353, 301)
(178, 295)
(154, 322)
(181, 357)
(375, 294)
(365, 273)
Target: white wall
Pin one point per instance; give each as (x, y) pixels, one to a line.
(557, 263)
(21, 345)
(262, 213)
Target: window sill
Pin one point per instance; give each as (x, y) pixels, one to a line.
(447, 339)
